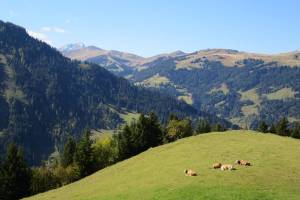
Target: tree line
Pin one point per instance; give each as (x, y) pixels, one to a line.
(82, 157)
(283, 127)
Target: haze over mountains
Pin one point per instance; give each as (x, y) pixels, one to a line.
(239, 86)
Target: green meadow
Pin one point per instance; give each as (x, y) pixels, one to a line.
(159, 172)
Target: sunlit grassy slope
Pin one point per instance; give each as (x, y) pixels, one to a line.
(158, 172)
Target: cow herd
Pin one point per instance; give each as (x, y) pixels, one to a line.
(223, 167)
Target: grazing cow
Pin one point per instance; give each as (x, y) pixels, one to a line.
(226, 167)
(243, 162)
(189, 172)
(217, 165)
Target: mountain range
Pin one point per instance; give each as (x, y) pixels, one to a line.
(241, 87)
(120, 63)
(46, 97)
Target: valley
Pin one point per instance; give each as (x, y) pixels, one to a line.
(237, 86)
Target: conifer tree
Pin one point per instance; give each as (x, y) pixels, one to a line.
(15, 174)
(155, 130)
(69, 152)
(203, 127)
(295, 133)
(218, 128)
(125, 143)
(84, 155)
(272, 129)
(282, 127)
(262, 127)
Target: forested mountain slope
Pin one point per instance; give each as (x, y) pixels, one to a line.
(45, 96)
(241, 87)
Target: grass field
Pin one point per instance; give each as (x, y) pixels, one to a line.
(155, 81)
(158, 172)
(284, 93)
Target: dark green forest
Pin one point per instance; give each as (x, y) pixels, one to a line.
(255, 76)
(46, 97)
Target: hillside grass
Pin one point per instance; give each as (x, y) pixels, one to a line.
(129, 117)
(223, 88)
(231, 59)
(155, 81)
(158, 172)
(186, 98)
(284, 93)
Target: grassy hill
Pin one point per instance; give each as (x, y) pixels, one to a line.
(158, 172)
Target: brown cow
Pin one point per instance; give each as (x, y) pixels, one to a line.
(243, 162)
(189, 172)
(217, 165)
(227, 167)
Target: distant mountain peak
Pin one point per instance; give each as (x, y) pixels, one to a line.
(92, 47)
(177, 53)
(220, 50)
(72, 47)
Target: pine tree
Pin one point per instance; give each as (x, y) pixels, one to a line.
(218, 128)
(15, 174)
(282, 127)
(295, 133)
(69, 152)
(272, 129)
(84, 155)
(262, 127)
(125, 143)
(155, 131)
(203, 127)
(148, 132)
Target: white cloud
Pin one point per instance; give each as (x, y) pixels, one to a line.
(46, 29)
(59, 30)
(40, 36)
(53, 29)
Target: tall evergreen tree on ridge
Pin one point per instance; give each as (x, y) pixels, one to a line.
(155, 130)
(84, 155)
(282, 127)
(295, 133)
(15, 175)
(263, 127)
(69, 152)
(125, 143)
(148, 131)
(203, 127)
(272, 128)
(139, 136)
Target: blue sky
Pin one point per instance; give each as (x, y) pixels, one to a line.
(156, 26)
